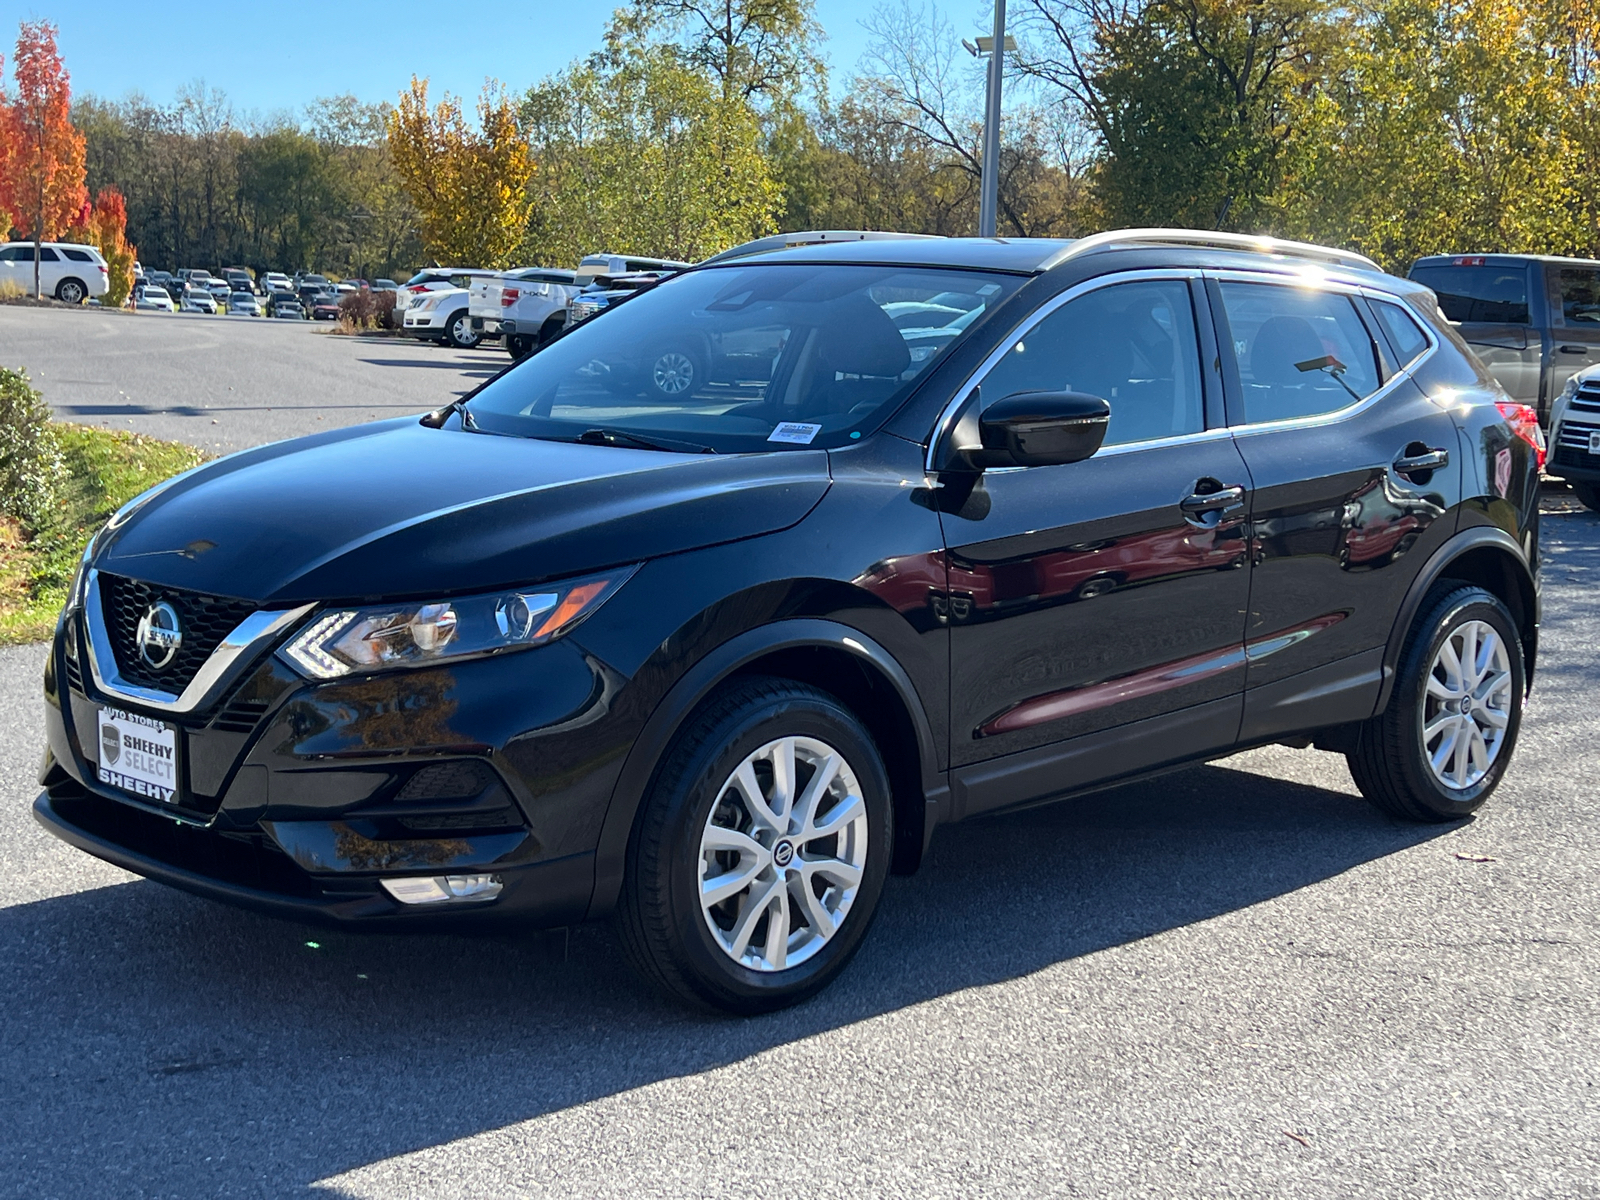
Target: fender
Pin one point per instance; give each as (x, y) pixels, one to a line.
(1478, 537)
(696, 684)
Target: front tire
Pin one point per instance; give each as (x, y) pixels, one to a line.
(460, 334)
(1446, 738)
(761, 851)
(1588, 495)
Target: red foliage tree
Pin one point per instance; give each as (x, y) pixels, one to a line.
(44, 177)
(104, 225)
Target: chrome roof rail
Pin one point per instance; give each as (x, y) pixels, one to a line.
(811, 237)
(1199, 237)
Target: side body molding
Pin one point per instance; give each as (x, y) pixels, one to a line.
(1500, 545)
(696, 684)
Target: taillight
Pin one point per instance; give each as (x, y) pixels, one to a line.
(417, 290)
(508, 297)
(1524, 422)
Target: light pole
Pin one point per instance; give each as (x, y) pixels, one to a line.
(989, 176)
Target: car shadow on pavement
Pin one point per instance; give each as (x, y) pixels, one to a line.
(183, 1047)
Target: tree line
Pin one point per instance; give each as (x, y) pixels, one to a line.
(1396, 127)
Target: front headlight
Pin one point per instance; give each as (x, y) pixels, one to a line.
(387, 636)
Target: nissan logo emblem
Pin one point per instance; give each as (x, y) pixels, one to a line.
(159, 635)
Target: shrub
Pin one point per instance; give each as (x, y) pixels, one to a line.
(357, 308)
(10, 289)
(30, 457)
(388, 315)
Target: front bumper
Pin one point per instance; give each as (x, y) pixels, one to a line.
(1572, 464)
(241, 872)
(301, 799)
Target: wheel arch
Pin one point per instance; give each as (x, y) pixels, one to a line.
(1489, 558)
(828, 655)
(66, 279)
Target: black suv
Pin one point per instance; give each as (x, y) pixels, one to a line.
(944, 528)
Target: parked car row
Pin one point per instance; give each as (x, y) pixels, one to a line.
(527, 306)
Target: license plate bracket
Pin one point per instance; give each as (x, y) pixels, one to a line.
(137, 755)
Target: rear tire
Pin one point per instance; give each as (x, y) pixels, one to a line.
(519, 346)
(71, 291)
(785, 895)
(1425, 757)
(1588, 495)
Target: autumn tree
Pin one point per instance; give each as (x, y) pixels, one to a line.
(1191, 101)
(641, 152)
(104, 226)
(1452, 125)
(920, 90)
(46, 169)
(470, 186)
(765, 52)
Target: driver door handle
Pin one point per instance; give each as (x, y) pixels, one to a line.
(1207, 508)
(1417, 463)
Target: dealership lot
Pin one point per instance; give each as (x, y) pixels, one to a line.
(224, 383)
(1237, 980)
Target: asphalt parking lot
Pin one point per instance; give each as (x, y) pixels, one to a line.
(224, 383)
(1239, 980)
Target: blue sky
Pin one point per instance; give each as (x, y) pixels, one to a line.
(278, 56)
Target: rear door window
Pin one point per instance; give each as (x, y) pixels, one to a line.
(1301, 352)
(48, 255)
(1405, 335)
(1483, 294)
(1580, 297)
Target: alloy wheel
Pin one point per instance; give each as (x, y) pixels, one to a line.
(71, 293)
(782, 853)
(673, 373)
(1466, 706)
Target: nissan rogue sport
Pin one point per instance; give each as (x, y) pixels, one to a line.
(944, 527)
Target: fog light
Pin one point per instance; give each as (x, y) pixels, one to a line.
(441, 888)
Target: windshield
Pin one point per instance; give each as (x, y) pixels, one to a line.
(749, 357)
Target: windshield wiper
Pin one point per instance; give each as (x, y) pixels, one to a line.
(621, 437)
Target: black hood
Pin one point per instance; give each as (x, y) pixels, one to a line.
(396, 510)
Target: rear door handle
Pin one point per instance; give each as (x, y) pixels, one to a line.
(1415, 464)
(1206, 509)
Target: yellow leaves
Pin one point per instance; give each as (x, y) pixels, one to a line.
(1450, 125)
(646, 155)
(470, 186)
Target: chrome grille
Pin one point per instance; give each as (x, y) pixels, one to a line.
(1574, 435)
(1587, 399)
(205, 621)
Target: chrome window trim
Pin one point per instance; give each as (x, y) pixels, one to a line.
(942, 423)
(1346, 289)
(234, 653)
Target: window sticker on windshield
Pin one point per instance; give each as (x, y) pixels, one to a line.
(797, 432)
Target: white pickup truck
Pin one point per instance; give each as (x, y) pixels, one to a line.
(518, 305)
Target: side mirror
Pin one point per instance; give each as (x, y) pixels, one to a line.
(1040, 429)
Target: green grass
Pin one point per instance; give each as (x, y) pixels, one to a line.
(104, 470)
